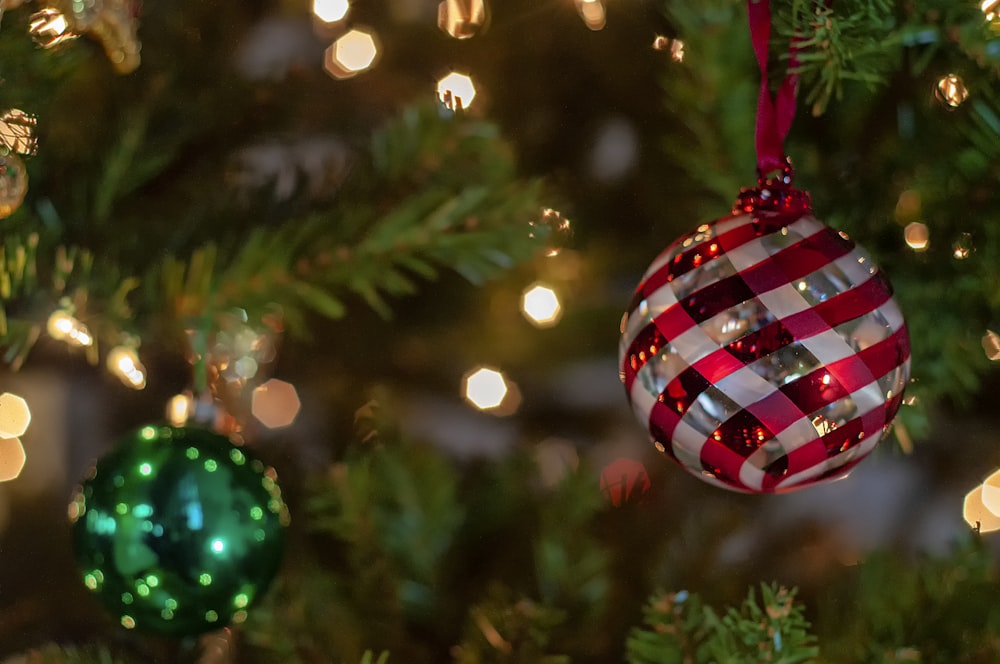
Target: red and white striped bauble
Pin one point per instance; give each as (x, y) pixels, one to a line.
(763, 351)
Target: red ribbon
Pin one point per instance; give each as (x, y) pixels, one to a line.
(774, 115)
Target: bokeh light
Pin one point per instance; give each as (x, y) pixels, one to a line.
(50, 28)
(351, 54)
(275, 404)
(456, 91)
(12, 459)
(674, 46)
(991, 492)
(462, 19)
(991, 8)
(976, 513)
(485, 388)
(951, 91)
(592, 12)
(540, 305)
(179, 409)
(330, 11)
(65, 327)
(15, 416)
(917, 236)
(963, 247)
(991, 345)
(123, 361)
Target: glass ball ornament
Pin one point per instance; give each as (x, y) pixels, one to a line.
(13, 183)
(177, 531)
(763, 351)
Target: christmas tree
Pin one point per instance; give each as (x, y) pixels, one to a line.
(268, 220)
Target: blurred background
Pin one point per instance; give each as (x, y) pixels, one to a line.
(634, 120)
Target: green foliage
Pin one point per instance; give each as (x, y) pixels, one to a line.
(679, 629)
(882, 147)
(937, 610)
(852, 41)
(369, 658)
(502, 631)
(53, 654)
(123, 168)
(711, 137)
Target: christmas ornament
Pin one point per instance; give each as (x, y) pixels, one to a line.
(177, 531)
(114, 23)
(13, 183)
(764, 351)
(624, 481)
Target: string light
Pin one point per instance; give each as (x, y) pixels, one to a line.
(330, 11)
(674, 46)
(963, 247)
(123, 361)
(485, 388)
(15, 416)
(991, 8)
(462, 19)
(951, 91)
(49, 28)
(592, 12)
(917, 236)
(64, 327)
(351, 54)
(456, 91)
(541, 305)
(179, 409)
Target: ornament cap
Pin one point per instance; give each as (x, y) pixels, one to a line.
(774, 194)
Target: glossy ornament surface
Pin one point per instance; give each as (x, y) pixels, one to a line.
(763, 351)
(177, 531)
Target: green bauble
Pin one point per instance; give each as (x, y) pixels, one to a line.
(177, 531)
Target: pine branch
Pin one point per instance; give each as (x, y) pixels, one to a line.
(441, 194)
(502, 630)
(680, 629)
(54, 654)
(837, 43)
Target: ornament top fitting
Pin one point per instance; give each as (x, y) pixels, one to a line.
(774, 194)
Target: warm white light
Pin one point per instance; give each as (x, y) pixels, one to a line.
(352, 53)
(15, 416)
(977, 515)
(991, 493)
(951, 91)
(592, 12)
(49, 28)
(485, 388)
(123, 361)
(275, 404)
(12, 459)
(179, 409)
(462, 18)
(330, 11)
(456, 91)
(917, 236)
(991, 345)
(64, 327)
(541, 306)
(991, 8)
